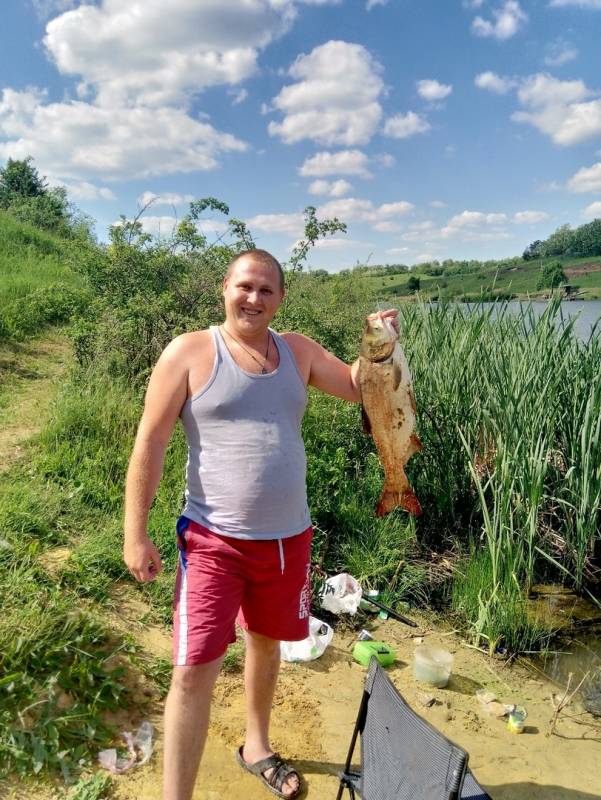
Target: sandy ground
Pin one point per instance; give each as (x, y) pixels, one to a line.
(315, 709)
(316, 706)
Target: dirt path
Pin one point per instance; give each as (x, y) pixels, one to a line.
(29, 378)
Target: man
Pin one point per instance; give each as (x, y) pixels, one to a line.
(245, 535)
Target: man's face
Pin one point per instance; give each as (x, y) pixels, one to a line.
(252, 295)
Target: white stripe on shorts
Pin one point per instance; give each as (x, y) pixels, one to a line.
(182, 642)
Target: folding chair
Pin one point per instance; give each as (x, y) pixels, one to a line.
(402, 756)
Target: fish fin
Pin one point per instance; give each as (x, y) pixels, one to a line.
(365, 421)
(412, 400)
(397, 375)
(410, 502)
(415, 444)
(405, 500)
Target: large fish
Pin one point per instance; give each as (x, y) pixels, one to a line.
(389, 411)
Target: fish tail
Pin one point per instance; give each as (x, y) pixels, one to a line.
(405, 499)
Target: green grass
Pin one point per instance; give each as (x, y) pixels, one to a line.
(519, 281)
(37, 287)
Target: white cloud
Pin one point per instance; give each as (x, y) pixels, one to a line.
(353, 209)
(83, 190)
(158, 57)
(557, 109)
(432, 90)
(336, 243)
(529, 217)
(158, 226)
(385, 160)
(468, 226)
(593, 211)
(587, 179)
(344, 162)
(438, 204)
(549, 186)
(335, 98)
(373, 3)
(494, 83)
(211, 227)
(473, 3)
(580, 3)
(559, 53)
(164, 199)
(238, 96)
(387, 226)
(291, 224)
(508, 19)
(396, 251)
(330, 188)
(78, 140)
(402, 126)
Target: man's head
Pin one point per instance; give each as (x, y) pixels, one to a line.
(253, 289)
(259, 257)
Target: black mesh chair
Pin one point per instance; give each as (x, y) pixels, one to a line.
(402, 756)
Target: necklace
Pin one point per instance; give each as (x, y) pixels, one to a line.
(263, 368)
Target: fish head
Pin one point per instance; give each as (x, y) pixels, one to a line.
(379, 338)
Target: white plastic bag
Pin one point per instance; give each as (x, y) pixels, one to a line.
(139, 748)
(341, 594)
(320, 636)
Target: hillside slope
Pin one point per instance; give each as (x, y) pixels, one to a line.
(37, 285)
(511, 281)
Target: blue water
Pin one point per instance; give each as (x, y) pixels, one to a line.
(587, 313)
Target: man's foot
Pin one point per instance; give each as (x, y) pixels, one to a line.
(276, 775)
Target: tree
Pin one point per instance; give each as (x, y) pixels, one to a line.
(533, 250)
(413, 284)
(551, 275)
(19, 181)
(559, 243)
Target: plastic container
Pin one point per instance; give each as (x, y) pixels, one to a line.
(517, 720)
(432, 665)
(364, 650)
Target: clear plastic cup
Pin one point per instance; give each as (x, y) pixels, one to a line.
(432, 665)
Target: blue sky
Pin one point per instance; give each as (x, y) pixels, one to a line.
(433, 128)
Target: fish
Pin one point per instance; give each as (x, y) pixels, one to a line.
(389, 411)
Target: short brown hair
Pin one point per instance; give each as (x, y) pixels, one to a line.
(263, 257)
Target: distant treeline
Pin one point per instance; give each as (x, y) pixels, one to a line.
(566, 241)
(581, 242)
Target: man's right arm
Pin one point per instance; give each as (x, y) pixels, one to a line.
(166, 394)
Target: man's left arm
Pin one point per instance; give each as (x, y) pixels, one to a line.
(328, 373)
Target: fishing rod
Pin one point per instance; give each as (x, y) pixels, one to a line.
(390, 612)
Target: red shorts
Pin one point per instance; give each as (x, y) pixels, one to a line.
(262, 585)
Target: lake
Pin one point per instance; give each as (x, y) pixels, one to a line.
(587, 312)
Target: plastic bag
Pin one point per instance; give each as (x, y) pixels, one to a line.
(341, 594)
(139, 747)
(320, 636)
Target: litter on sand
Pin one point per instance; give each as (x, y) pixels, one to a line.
(139, 748)
(320, 636)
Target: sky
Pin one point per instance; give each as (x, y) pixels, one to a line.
(433, 128)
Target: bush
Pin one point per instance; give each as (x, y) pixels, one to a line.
(551, 276)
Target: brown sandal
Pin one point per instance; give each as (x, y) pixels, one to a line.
(281, 772)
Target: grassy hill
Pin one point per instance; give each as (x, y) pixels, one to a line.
(37, 286)
(519, 281)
